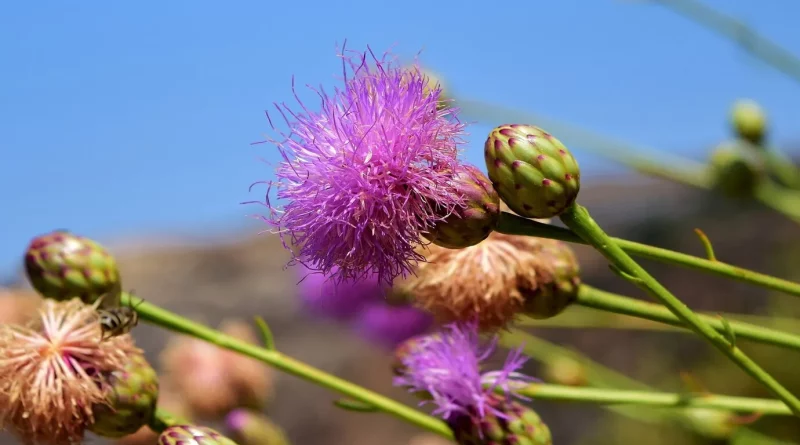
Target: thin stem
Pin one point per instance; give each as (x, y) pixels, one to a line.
(168, 320)
(546, 391)
(515, 225)
(741, 34)
(577, 218)
(589, 296)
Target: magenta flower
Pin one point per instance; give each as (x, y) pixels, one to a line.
(390, 325)
(447, 365)
(368, 173)
(341, 301)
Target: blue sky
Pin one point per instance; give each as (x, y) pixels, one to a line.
(121, 118)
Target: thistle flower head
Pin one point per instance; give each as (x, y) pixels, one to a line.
(365, 175)
(54, 371)
(324, 296)
(447, 365)
(390, 325)
(494, 280)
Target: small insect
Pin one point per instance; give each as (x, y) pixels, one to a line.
(115, 319)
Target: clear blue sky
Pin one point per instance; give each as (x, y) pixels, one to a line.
(119, 118)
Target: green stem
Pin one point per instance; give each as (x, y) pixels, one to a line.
(748, 39)
(168, 320)
(597, 299)
(546, 391)
(515, 225)
(577, 218)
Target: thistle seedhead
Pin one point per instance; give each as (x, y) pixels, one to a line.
(251, 428)
(508, 423)
(52, 372)
(749, 121)
(61, 265)
(472, 223)
(736, 170)
(131, 396)
(533, 172)
(494, 281)
(192, 435)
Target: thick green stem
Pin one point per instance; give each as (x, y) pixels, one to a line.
(515, 225)
(163, 420)
(577, 218)
(168, 320)
(544, 391)
(595, 298)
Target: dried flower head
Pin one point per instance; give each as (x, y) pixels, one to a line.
(494, 280)
(365, 175)
(53, 371)
(447, 365)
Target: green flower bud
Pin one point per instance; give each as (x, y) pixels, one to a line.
(61, 265)
(192, 435)
(749, 121)
(711, 423)
(474, 222)
(521, 426)
(736, 170)
(132, 395)
(250, 428)
(534, 173)
(558, 281)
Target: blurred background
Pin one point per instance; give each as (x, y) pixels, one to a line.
(133, 124)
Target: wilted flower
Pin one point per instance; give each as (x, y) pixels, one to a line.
(323, 296)
(447, 365)
(390, 325)
(53, 372)
(229, 380)
(368, 173)
(495, 280)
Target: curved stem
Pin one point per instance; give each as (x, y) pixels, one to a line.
(515, 225)
(545, 391)
(589, 296)
(741, 34)
(168, 320)
(577, 218)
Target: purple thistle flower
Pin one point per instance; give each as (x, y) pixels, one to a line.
(368, 173)
(447, 365)
(340, 301)
(390, 325)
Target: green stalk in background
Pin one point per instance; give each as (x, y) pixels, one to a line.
(741, 34)
(606, 301)
(604, 396)
(515, 225)
(578, 219)
(168, 320)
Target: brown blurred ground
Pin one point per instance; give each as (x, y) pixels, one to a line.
(247, 278)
